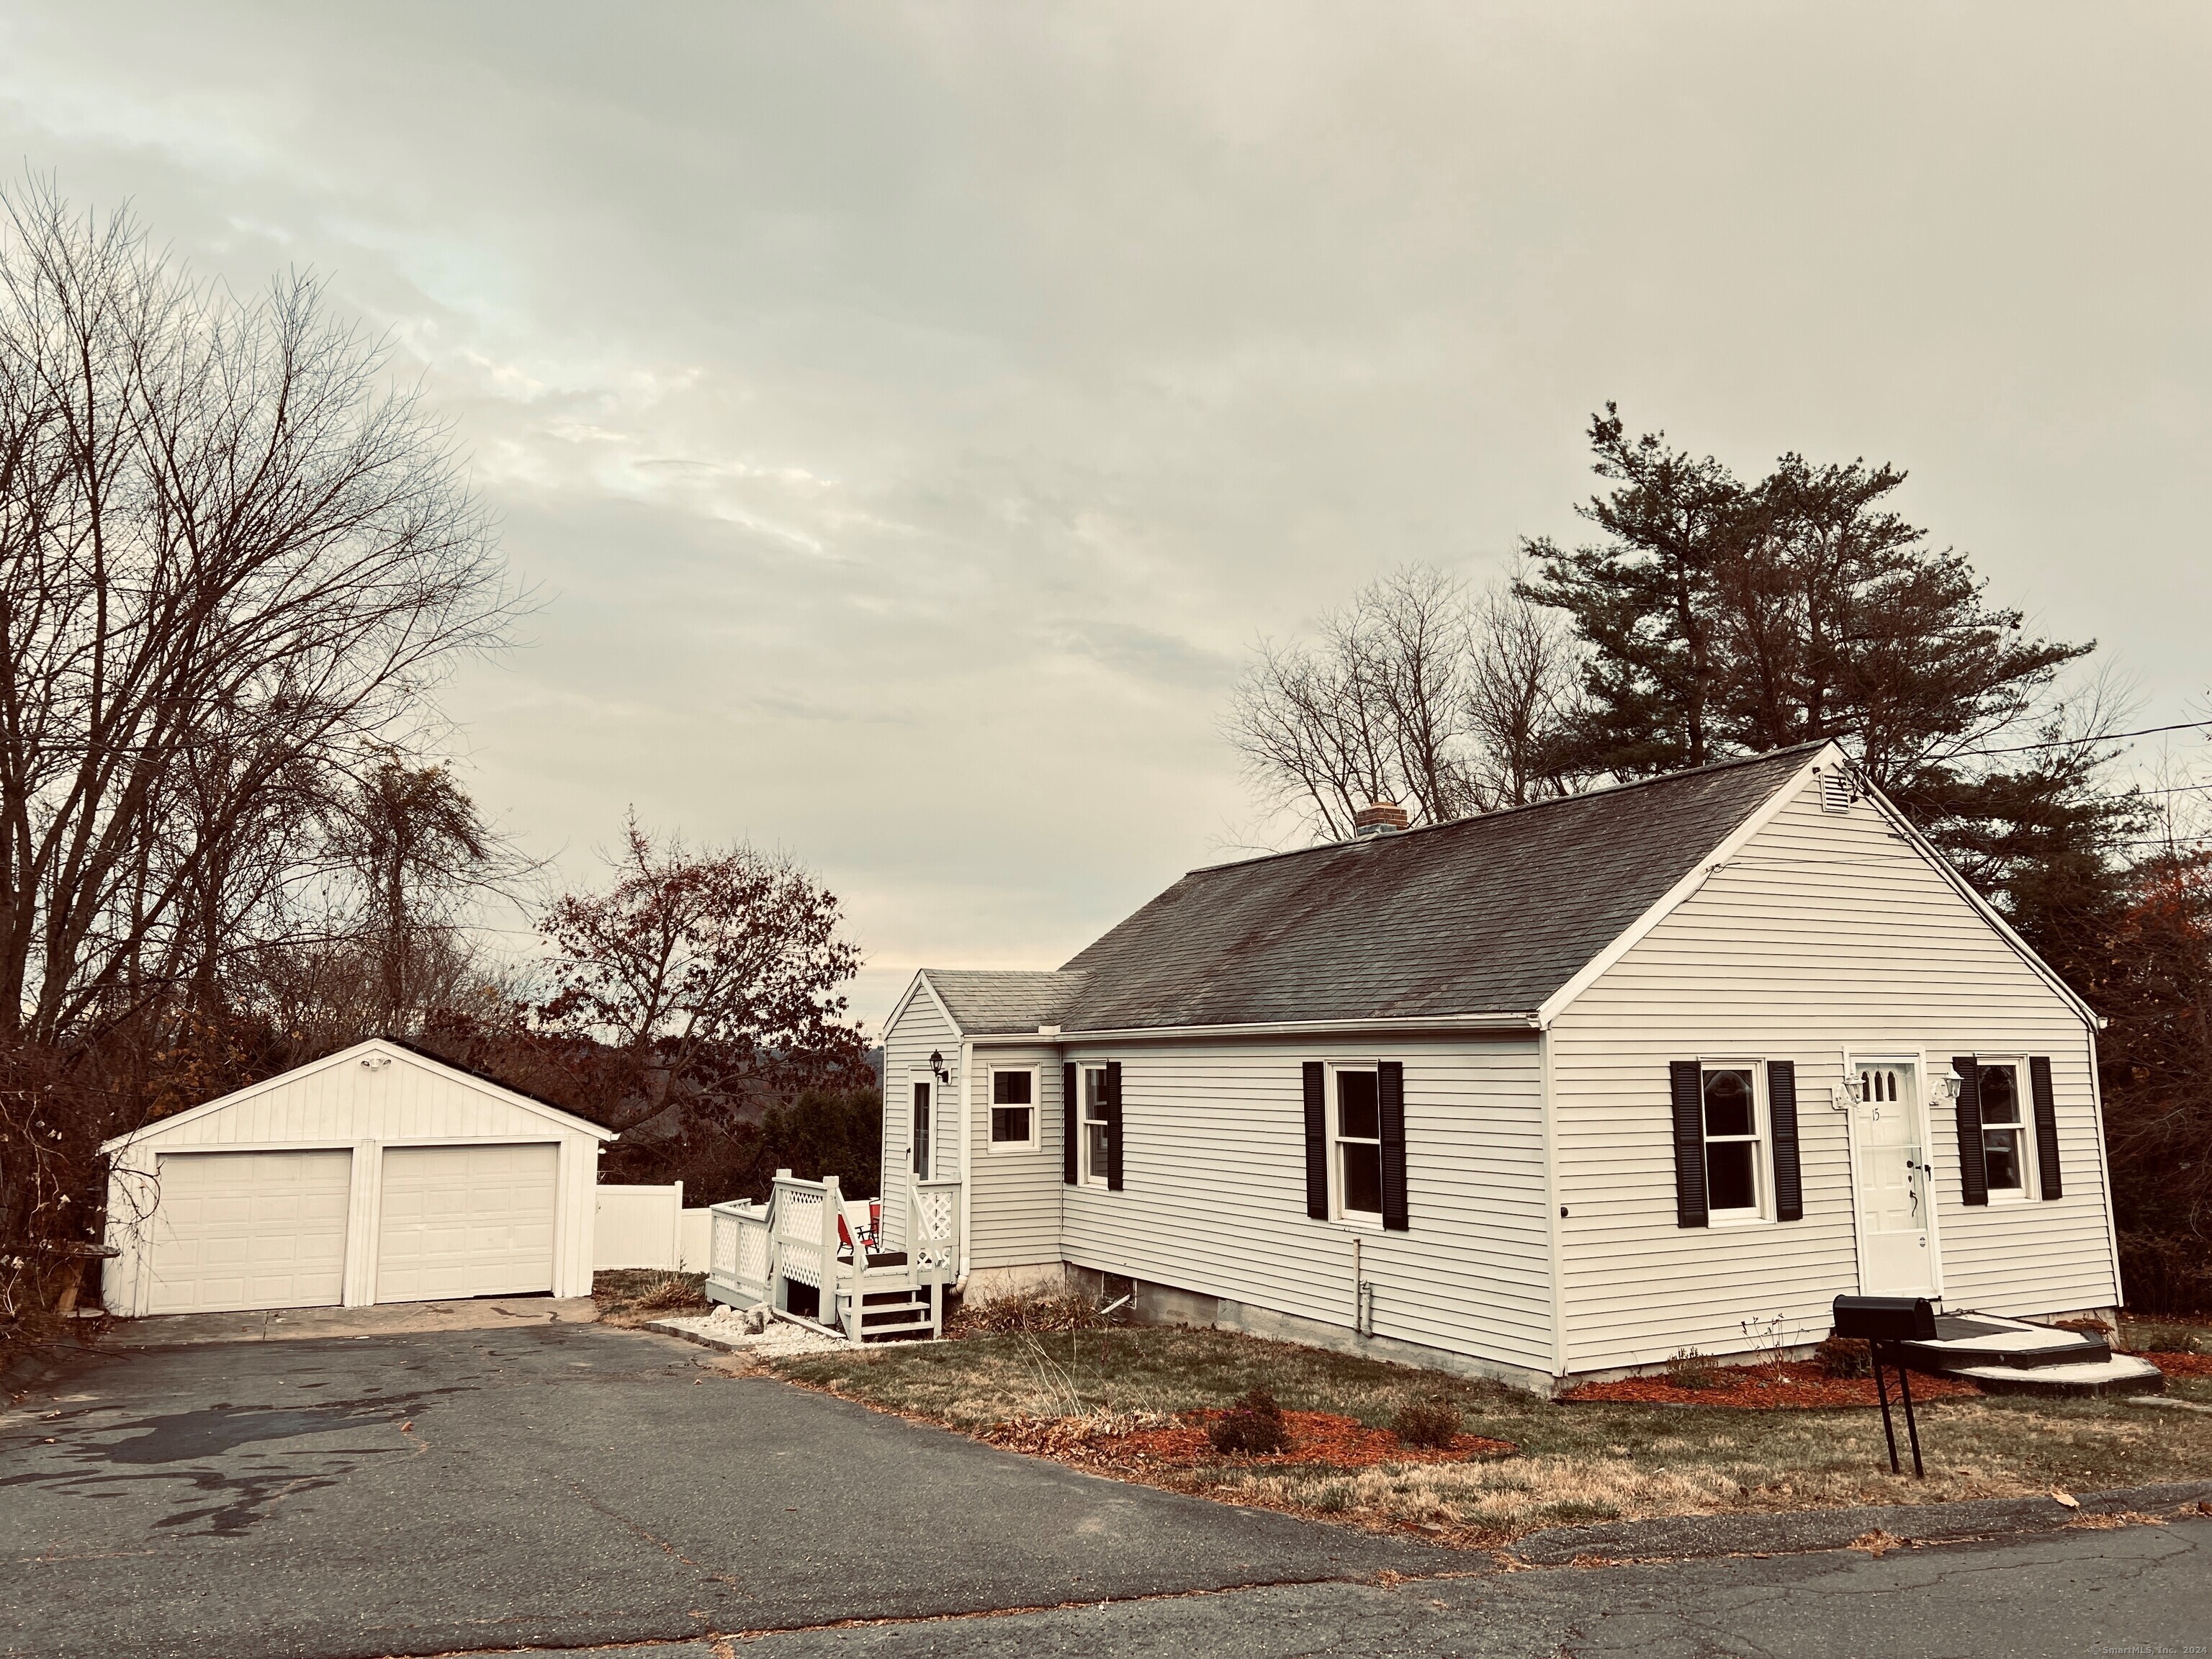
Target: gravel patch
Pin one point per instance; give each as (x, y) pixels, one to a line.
(724, 1329)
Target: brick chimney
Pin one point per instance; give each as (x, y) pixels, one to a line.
(1379, 818)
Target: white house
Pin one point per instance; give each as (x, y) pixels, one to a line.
(378, 1173)
(1550, 1093)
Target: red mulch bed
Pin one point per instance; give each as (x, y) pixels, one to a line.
(1796, 1385)
(1316, 1437)
(2182, 1364)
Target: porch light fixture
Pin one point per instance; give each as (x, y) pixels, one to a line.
(1950, 1085)
(936, 1065)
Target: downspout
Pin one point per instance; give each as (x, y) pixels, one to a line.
(967, 1190)
(1547, 1097)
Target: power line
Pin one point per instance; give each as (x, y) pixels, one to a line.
(2076, 742)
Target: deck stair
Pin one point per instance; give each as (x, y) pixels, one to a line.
(807, 1256)
(2011, 1356)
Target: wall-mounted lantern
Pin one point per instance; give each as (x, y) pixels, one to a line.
(937, 1066)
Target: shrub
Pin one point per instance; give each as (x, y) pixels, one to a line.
(671, 1292)
(1434, 1423)
(2164, 1338)
(1043, 1311)
(1253, 1423)
(1689, 1368)
(1844, 1355)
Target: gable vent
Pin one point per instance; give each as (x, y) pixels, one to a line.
(1838, 791)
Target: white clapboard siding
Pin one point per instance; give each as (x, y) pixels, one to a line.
(1826, 934)
(917, 1030)
(1214, 1154)
(1013, 1216)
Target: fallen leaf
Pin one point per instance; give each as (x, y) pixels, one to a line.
(2068, 1498)
(1876, 1543)
(408, 1424)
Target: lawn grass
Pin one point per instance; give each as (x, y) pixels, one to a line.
(1577, 1463)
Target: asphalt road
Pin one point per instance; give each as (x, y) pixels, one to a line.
(2145, 1590)
(565, 1487)
(556, 1486)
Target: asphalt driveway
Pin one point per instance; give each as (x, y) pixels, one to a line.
(556, 1486)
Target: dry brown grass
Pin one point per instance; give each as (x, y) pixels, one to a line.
(1579, 1463)
(637, 1296)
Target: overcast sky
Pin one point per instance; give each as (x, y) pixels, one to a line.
(910, 415)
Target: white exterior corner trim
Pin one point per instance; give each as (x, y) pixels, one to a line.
(373, 1047)
(1667, 902)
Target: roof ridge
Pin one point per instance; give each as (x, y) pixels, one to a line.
(1731, 763)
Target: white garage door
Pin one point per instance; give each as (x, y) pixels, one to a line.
(249, 1229)
(465, 1221)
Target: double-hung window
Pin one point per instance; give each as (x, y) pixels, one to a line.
(1013, 1109)
(1732, 1143)
(2004, 1128)
(1356, 1149)
(1096, 1138)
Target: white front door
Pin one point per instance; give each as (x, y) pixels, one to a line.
(461, 1221)
(249, 1229)
(1896, 1245)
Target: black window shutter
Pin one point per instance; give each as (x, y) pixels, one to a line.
(1316, 1141)
(1071, 1114)
(1974, 1169)
(1782, 1114)
(1390, 1086)
(1686, 1078)
(1113, 1126)
(2046, 1125)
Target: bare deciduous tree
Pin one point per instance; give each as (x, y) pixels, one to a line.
(233, 561)
(1416, 694)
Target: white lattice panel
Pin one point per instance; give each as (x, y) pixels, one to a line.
(798, 1216)
(725, 1253)
(933, 1216)
(751, 1254)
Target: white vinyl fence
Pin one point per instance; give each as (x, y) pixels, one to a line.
(649, 1227)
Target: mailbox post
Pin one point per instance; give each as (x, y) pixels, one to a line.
(1882, 1323)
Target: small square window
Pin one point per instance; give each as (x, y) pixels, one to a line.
(1013, 1108)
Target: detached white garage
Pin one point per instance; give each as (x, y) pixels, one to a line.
(379, 1173)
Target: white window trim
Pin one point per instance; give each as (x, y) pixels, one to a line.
(1761, 1213)
(2024, 1099)
(1086, 1175)
(1035, 1109)
(1358, 1221)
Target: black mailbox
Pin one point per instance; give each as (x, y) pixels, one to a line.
(1885, 1318)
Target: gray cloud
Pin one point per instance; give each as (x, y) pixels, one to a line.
(910, 414)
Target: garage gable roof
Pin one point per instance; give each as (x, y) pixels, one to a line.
(404, 1053)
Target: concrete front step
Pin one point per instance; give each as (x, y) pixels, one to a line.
(1984, 1341)
(2115, 1374)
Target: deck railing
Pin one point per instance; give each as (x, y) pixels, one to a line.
(760, 1252)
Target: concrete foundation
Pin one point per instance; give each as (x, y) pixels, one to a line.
(1169, 1304)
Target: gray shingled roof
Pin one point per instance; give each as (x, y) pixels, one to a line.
(1488, 914)
(1482, 915)
(983, 1001)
